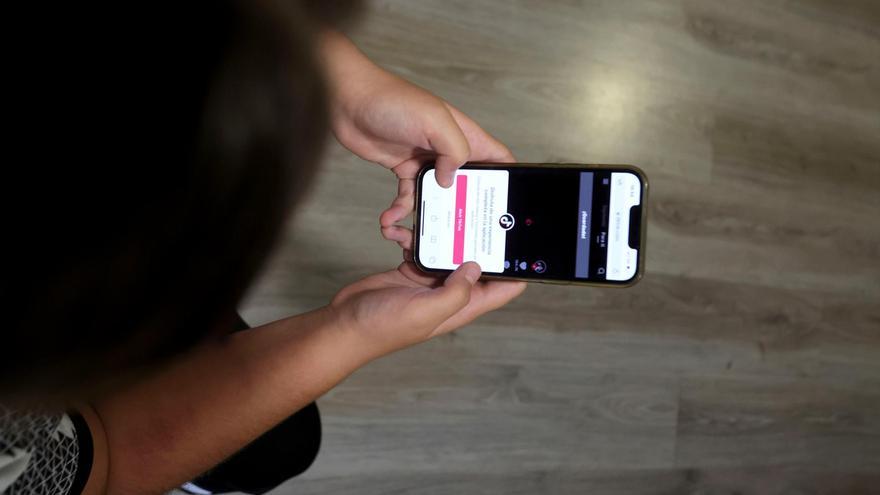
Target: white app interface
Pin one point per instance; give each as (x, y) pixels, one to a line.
(466, 222)
(625, 193)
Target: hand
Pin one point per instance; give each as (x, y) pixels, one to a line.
(385, 119)
(477, 145)
(398, 308)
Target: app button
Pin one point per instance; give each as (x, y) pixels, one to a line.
(506, 264)
(523, 265)
(506, 221)
(539, 266)
(600, 271)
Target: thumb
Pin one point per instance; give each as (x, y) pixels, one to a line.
(454, 294)
(451, 146)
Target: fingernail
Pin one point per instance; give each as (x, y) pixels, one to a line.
(472, 272)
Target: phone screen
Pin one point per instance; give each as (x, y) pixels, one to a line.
(541, 222)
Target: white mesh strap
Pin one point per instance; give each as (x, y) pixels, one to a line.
(39, 453)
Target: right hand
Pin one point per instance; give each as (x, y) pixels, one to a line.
(385, 119)
(399, 308)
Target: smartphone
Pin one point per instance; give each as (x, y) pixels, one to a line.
(547, 222)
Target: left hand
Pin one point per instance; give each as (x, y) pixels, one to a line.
(385, 119)
(399, 308)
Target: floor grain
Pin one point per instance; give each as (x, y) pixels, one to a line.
(746, 361)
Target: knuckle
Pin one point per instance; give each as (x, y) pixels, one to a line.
(462, 296)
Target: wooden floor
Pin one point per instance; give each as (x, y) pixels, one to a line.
(746, 361)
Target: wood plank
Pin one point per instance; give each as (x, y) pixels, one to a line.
(746, 361)
(793, 421)
(744, 481)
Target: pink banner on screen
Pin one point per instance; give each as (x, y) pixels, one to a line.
(460, 209)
